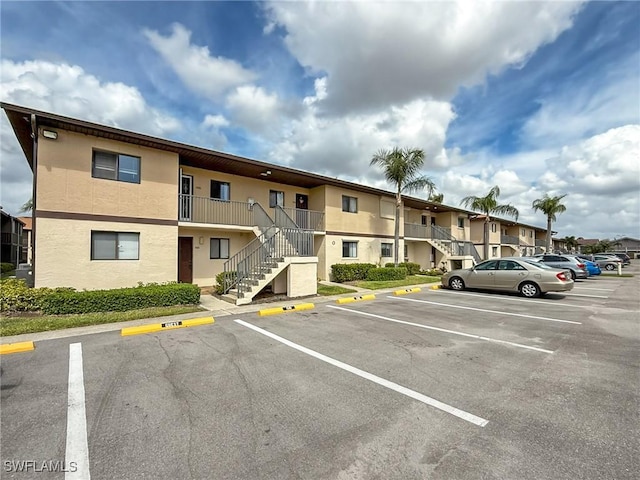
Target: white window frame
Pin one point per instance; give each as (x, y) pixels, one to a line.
(276, 197)
(117, 172)
(382, 249)
(352, 205)
(353, 245)
(220, 249)
(120, 240)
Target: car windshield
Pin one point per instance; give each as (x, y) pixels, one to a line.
(541, 266)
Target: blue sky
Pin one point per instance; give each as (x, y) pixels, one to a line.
(534, 97)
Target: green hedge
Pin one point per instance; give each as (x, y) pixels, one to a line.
(349, 272)
(412, 268)
(7, 267)
(220, 280)
(15, 296)
(387, 273)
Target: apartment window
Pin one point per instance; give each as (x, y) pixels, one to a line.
(494, 227)
(219, 248)
(530, 233)
(494, 251)
(115, 245)
(349, 249)
(523, 232)
(220, 190)
(424, 219)
(460, 222)
(276, 198)
(349, 204)
(385, 250)
(114, 166)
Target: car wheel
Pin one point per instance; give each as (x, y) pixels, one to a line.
(609, 266)
(573, 275)
(529, 290)
(456, 283)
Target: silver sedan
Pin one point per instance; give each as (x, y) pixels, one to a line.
(529, 278)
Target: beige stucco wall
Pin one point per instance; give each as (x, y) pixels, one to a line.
(63, 253)
(369, 250)
(302, 277)
(65, 183)
(244, 188)
(366, 220)
(205, 269)
(420, 252)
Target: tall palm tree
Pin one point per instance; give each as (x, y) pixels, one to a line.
(27, 207)
(550, 206)
(401, 167)
(571, 243)
(489, 206)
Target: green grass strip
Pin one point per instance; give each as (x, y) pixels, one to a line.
(327, 290)
(43, 323)
(410, 280)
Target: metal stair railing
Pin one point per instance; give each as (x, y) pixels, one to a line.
(237, 268)
(300, 239)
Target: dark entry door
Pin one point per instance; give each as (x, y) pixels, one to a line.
(185, 259)
(302, 215)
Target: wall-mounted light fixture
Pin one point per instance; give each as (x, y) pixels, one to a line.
(50, 134)
(201, 240)
(266, 173)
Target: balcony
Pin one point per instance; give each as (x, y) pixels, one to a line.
(541, 243)
(509, 240)
(416, 230)
(306, 219)
(212, 211)
(10, 238)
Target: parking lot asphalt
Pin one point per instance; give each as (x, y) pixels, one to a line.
(434, 384)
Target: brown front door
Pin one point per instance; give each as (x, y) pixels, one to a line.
(185, 259)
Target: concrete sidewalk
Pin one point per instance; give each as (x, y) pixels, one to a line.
(213, 307)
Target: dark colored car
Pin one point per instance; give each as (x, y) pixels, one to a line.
(626, 259)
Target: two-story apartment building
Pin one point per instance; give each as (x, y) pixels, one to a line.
(507, 238)
(113, 208)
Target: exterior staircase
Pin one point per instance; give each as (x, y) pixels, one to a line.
(441, 239)
(254, 267)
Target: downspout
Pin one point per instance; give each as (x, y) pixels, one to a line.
(34, 136)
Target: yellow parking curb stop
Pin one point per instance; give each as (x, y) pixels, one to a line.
(16, 347)
(436, 287)
(156, 327)
(356, 299)
(290, 308)
(406, 290)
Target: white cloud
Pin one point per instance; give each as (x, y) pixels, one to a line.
(206, 75)
(376, 54)
(343, 146)
(566, 118)
(255, 109)
(66, 90)
(69, 90)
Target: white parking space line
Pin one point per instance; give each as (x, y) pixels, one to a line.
(512, 299)
(588, 288)
(77, 452)
(521, 315)
(469, 417)
(444, 330)
(581, 295)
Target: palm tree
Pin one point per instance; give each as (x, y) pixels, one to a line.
(436, 197)
(27, 207)
(489, 205)
(571, 243)
(401, 167)
(550, 206)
